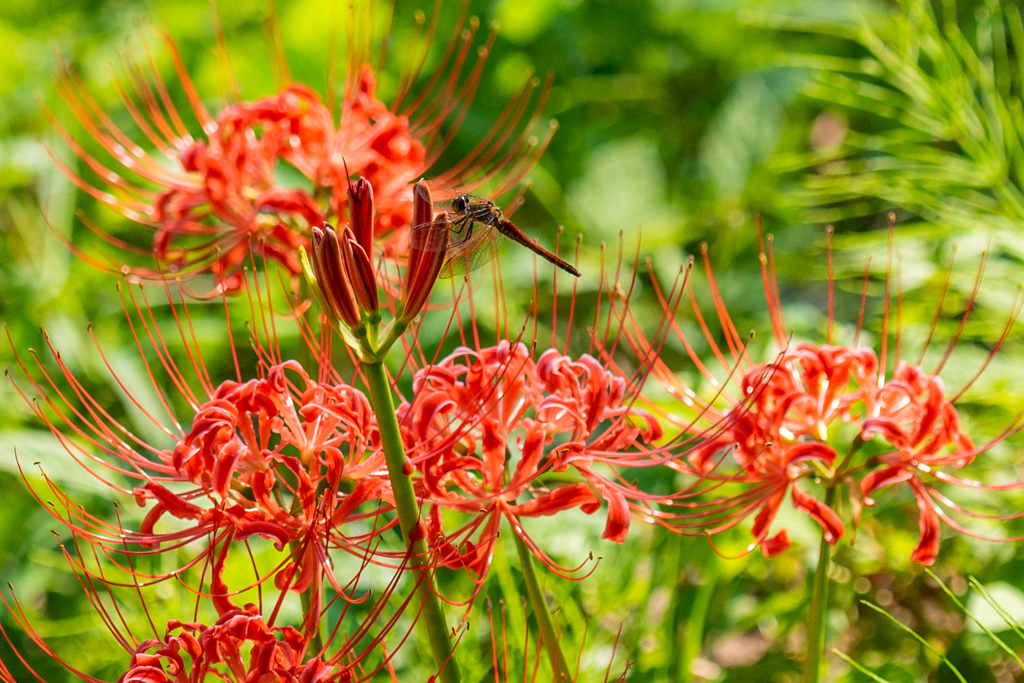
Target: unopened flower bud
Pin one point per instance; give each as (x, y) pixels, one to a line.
(332, 276)
(360, 272)
(360, 209)
(427, 253)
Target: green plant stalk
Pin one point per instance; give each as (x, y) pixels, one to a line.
(501, 566)
(542, 614)
(819, 606)
(408, 518)
(316, 643)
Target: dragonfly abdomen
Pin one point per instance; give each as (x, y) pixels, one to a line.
(508, 229)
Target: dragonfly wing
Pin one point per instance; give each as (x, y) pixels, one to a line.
(428, 236)
(441, 196)
(472, 253)
(431, 236)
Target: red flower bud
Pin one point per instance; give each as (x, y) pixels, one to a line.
(332, 276)
(360, 208)
(427, 253)
(360, 272)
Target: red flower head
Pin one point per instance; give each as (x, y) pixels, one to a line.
(487, 427)
(239, 646)
(220, 193)
(783, 425)
(242, 645)
(284, 456)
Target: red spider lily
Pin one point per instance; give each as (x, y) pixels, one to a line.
(241, 645)
(510, 431)
(238, 646)
(219, 192)
(285, 456)
(783, 428)
(916, 419)
(484, 426)
(781, 425)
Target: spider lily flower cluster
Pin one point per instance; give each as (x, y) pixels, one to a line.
(288, 457)
(296, 457)
(219, 193)
(290, 461)
(239, 644)
(485, 425)
(785, 421)
(511, 431)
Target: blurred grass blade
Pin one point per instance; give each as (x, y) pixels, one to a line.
(917, 637)
(1011, 621)
(859, 667)
(1006, 648)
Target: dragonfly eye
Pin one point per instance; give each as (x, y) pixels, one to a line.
(460, 203)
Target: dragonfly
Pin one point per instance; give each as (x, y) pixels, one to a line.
(475, 228)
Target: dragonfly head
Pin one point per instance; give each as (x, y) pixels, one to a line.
(460, 203)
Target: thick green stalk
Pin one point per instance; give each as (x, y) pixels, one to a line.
(819, 607)
(542, 614)
(408, 517)
(316, 643)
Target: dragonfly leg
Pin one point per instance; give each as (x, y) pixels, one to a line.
(461, 232)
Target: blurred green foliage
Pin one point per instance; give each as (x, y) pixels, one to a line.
(678, 119)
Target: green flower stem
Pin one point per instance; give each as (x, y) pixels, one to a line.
(843, 468)
(408, 518)
(818, 612)
(819, 606)
(316, 643)
(542, 614)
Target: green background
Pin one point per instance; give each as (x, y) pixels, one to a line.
(682, 118)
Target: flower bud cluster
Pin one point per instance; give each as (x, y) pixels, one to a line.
(345, 280)
(342, 267)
